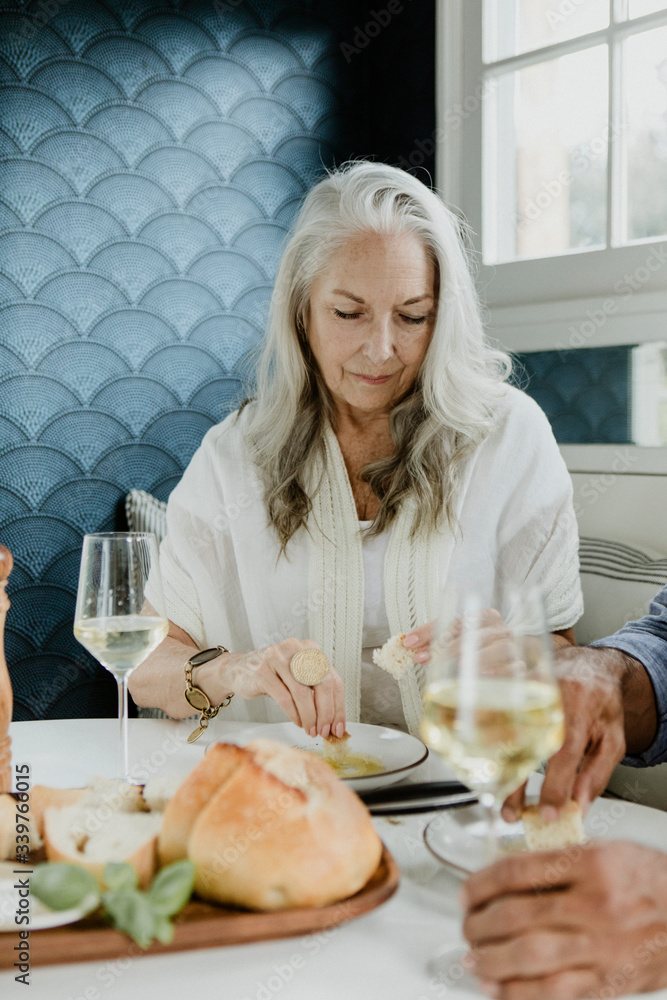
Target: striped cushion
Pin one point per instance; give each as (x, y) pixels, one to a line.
(618, 582)
(146, 513)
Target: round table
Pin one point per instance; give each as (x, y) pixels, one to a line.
(384, 954)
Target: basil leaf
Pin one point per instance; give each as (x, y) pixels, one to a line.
(61, 886)
(130, 911)
(163, 929)
(119, 876)
(172, 887)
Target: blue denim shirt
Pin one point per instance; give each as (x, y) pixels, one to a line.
(646, 641)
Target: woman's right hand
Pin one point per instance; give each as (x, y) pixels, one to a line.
(320, 710)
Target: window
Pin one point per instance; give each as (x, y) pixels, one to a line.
(553, 121)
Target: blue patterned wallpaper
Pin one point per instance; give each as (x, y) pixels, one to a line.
(152, 159)
(585, 393)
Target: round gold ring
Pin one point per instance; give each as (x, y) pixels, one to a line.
(309, 666)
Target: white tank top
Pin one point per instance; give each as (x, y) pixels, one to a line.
(380, 696)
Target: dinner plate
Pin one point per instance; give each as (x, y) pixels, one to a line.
(457, 837)
(396, 752)
(41, 917)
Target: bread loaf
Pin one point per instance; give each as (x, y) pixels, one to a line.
(279, 829)
(192, 795)
(562, 832)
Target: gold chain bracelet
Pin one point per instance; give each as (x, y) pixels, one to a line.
(197, 698)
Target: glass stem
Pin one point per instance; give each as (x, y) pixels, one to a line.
(491, 807)
(122, 716)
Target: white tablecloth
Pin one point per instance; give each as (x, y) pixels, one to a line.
(383, 955)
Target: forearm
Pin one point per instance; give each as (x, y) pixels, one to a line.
(640, 717)
(640, 710)
(563, 639)
(159, 682)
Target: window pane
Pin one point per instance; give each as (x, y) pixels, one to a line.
(513, 26)
(546, 182)
(646, 115)
(638, 7)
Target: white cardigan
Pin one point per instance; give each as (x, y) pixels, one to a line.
(226, 584)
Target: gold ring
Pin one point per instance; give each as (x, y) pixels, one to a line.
(309, 666)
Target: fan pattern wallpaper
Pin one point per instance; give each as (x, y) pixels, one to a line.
(153, 157)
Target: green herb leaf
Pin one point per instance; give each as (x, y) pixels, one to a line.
(130, 911)
(61, 886)
(163, 929)
(172, 887)
(119, 876)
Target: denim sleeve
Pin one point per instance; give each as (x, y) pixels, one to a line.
(646, 641)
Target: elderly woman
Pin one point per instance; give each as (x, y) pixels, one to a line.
(383, 457)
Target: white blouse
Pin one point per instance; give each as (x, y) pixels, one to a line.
(226, 583)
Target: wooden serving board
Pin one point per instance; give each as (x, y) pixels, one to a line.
(200, 925)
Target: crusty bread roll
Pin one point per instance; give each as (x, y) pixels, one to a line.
(130, 837)
(280, 830)
(192, 795)
(547, 836)
(108, 822)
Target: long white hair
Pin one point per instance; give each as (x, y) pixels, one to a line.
(448, 411)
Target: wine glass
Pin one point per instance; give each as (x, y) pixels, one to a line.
(120, 612)
(492, 706)
(492, 710)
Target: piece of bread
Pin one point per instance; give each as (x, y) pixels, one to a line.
(108, 821)
(394, 657)
(547, 836)
(280, 830)
(159, 789)
(192, 795)
(77, 835)
(42, 798)
(8, 831)
(336, 748)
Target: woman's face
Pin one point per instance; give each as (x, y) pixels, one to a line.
(370, 321)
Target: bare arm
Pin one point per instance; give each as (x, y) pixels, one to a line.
(160, 682)
(609, 710)
(163, 671)
(563, 638)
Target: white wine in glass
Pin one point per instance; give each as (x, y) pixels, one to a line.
(492, 710)
(120, 613)
(492, 706)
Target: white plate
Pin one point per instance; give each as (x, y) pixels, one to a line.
(41, 917)
(456, 836)
(399, 752)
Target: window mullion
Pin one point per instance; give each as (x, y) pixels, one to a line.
(617, 189)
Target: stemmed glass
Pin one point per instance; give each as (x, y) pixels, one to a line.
(492, 704)
(120, 612)
(492, 710)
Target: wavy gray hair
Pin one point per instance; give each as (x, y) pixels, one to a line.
(448, 411)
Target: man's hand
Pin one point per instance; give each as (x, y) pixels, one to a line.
(559, 925)
(591, 688)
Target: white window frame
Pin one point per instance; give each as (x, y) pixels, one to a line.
(557, 303)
